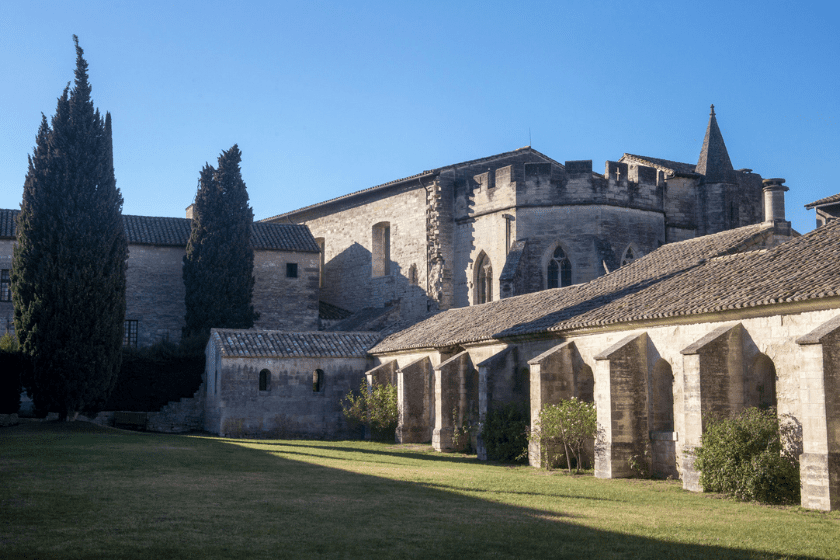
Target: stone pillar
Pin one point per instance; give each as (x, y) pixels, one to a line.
(819, 385)
(554, 377)
(497, 377)
(414, 401)
(713, 369)
(621, 399)
(451, 380)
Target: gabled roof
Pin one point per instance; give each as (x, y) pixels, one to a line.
(714, 160)
(175, 232)
(666, 165)
(833, 199)
(235, 343)
(428, 173)
(703, 275)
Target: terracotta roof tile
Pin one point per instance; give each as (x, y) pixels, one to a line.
(234, 343)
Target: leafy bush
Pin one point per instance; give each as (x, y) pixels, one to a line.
(15, 369)
(505, 433)
(751, 457)
(569, 423)
(151, 377)
(9, 343)
(375, 407)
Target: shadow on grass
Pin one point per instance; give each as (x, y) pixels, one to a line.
(226, 500)
(422, 456)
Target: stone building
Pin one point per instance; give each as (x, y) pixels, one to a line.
(282, 383)
(286, 264)
(517, 223)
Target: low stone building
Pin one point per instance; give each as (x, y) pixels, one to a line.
(745, 317)
(286, 272)
(272, 383)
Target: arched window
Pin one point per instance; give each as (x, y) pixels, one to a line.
(629, 256)
(265, 376)
(483, 279)
(559, 269)
(317, 381)
(381, 249)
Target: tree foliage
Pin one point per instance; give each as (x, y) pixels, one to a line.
(375, 407)
(68, 273)
(752, 456)
(219, 264)
(505, 433)
(569, 423)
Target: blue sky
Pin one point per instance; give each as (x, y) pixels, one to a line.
(326, 98)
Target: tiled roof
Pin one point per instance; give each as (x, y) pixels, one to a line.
(175, 232)
(835, 198)
(411, 178)
(702, 275)
(663, 164)
(330, 312)
(150, 230)
(8, 221)
(281, 344)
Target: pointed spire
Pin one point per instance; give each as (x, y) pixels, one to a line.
(714, 160)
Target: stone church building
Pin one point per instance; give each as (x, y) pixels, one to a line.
(517, 223)
(661, 291)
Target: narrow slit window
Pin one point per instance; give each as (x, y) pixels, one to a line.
(265, 376)
(317, 381)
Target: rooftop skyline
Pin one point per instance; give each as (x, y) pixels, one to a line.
(330, 99)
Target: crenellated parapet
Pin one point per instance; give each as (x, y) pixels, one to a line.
(530, 184)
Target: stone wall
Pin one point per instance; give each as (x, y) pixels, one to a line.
(347, 235)
(155, 292)
(286, 303)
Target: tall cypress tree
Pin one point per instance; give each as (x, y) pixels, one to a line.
(68, 272)
(219, 264)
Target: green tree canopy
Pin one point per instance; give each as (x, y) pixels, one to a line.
(219, 264)
(68, 273)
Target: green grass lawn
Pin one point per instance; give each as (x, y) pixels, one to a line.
(75, 490)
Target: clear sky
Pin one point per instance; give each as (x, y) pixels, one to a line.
(326, 98)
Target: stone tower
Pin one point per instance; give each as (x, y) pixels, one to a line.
(718, 191)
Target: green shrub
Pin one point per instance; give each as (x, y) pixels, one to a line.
(505, 433)
(751, 457)
(151, 377)
(563, 429)
(374, 407)
(9, 343)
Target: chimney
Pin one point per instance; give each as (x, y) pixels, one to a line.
(774, 200)
(190, 211)
(774, 205)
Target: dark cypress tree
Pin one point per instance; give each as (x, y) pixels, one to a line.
(68, 273)
(219, 264)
